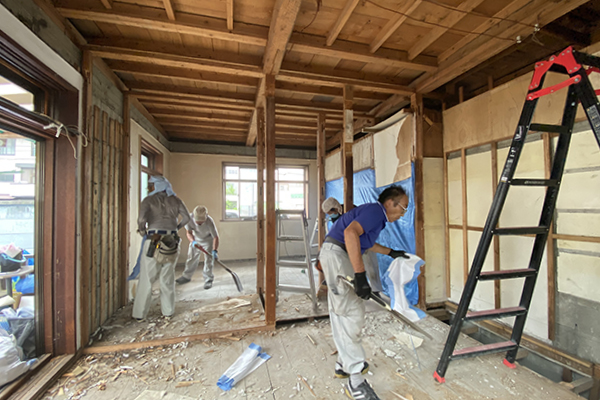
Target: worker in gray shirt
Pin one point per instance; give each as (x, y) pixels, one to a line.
(201, 230)
(159, 222)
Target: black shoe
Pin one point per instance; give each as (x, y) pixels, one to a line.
(340, 373)
(182, 280)
(207, 285)
(364, 391)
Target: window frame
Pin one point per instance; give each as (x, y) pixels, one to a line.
(155, 162)
(224, 181)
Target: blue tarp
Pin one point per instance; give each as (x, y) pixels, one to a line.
(399, 235)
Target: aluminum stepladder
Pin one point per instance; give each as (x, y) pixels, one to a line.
(306, 263)
(571, 63)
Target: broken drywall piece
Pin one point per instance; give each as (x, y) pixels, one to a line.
(404, 338)
(224, 305)
(161, 395)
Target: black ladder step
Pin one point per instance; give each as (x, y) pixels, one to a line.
(495, 313)
(534, 182)
(548, 128)
(506, 274)
(483, 349)
(522, 230)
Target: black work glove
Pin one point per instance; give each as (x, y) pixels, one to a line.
(398, 253)
(361, 285)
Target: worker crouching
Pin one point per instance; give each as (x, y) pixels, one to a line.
(159, 222)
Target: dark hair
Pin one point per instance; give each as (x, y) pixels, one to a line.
(392, 192)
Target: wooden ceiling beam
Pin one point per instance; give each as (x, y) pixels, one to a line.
(283, 121)
(189, 102)
(392, 25)
(205, 124)
(311, 44)
(179, 73)
(169, 9)
(107, 4)
(255, 35)
(194, 108)
(178, 115)
(391, 103)
(174, 61)
(282, 24)
(229, 14)
(289, 87)
(192, 93)
(206, 27)
(511, 8)
(142, 109)
(448, 22)
(338, 25)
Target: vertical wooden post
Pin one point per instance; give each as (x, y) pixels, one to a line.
(461, 94)
(321, 149)
(347, 142)
(260, 212)
(96, 191)
(548, 158)
(465, 222)
(104, 245)
(447, 225)
(48, 246)
(270, 300)
(416, 101)
(86, 212)
(124, 214)
(497, 283)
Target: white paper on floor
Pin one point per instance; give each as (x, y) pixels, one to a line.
(224, 305)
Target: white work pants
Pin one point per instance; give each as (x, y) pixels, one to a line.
(193, 259)
(346, 309)
(149, 271)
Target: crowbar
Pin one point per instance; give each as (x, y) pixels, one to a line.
(382, 303)
(235, 277)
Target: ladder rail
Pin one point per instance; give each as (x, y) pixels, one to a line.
(486, 238)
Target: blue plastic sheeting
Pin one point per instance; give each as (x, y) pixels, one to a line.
(399, 235)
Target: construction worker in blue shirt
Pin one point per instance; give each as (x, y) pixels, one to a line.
(353, 233)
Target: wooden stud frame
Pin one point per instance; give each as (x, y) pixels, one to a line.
(260, 213)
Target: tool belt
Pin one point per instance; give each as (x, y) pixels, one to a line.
(164, 248)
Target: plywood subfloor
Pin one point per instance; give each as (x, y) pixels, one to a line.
(192, 369)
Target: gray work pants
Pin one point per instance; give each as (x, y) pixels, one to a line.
(372, 270)
(150, 269)
(346, 309)
(193, 259)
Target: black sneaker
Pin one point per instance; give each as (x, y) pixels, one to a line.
(364, 391)
(340, 373)
(181, 280)
(207, 285)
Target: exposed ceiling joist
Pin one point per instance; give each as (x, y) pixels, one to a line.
(190, 102)
(337, 27)
(488, 23)
(448, 22)
(255, 35)
(107, 4)
(169, 9)
(179, 115)
(175, 61)
(392, 25)
(394, 101)
(282, 24)
(229, 14)
(290, 87)
(141, 108)
(186, 92)
(537, 11)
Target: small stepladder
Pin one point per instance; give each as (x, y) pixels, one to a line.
(580, 90)
(306, 263)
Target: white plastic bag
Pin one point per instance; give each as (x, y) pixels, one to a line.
(11, 366)
(401, 271)
(251, 358)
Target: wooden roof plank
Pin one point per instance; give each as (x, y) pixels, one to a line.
(282, 24)
(503, 13)
(229, 14)
(448, 22)
(392, 25)
(107, 4)
(341, 21)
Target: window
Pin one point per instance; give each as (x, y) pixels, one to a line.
(150, 164)
(8, 147)
(240, 192)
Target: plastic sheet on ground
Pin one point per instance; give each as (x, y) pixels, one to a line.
(401, 271)
(251, 358)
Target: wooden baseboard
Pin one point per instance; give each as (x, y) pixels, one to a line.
(537, 346)
(35, 386)
(166, 341)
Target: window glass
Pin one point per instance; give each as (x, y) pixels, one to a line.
(16, 94)
(145, 160)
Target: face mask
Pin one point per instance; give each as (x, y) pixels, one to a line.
(334, 217)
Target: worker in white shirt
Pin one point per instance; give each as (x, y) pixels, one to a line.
(158, 221)
(201, 230)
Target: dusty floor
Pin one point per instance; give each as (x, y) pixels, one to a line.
(301, 353)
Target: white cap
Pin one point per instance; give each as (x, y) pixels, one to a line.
(200, 213)
(330, 203)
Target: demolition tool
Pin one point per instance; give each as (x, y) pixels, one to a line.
(235, 277)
